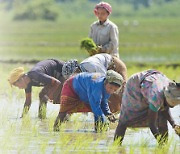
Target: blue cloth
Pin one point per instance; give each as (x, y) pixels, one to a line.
(91, 89)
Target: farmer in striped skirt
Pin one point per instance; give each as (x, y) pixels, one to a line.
(89, 92)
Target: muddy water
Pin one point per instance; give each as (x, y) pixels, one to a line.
(36, 136)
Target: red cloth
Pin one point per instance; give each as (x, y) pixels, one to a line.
(104, 5)
(70, 101)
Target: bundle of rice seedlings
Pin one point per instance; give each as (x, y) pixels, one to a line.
(89, 45)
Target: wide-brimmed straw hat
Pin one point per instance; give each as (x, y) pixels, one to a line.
(15, 74)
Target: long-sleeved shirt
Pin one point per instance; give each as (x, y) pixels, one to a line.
(140, 95)
(97, 63)
(41, 74)
(91, 90)
(106, 35)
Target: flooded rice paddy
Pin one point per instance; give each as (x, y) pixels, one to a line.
(32, 135)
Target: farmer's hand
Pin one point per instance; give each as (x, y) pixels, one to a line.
(177, 129)
(53, 88)
(44, 98)
(56, 126)
(99, 49)
(111, 117)
(101, 126)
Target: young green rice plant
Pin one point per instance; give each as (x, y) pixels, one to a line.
(175, 147)
(162, 149)
(80, 143)
(89, 45)
(25, 140)
(51, 120)
(115, 148)
(131, 150)
(63, 141)
(26, 122)
(143, 145)
(44, 144)
(7, 135)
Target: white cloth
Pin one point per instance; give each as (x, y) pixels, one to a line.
(97, 63)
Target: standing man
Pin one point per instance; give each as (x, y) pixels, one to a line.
(104, 32)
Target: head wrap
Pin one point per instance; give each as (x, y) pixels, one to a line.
(16, 74)
(104, 5)
(69, 68)
(172, 94)
(114, 77)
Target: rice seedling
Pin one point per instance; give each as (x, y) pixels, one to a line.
(89, 45)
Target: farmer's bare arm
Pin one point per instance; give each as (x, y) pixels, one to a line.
(60, 118)
(168, 116)
(119, 133)
(166, 113)
(152, 118)
(121, 68)
(27, 104)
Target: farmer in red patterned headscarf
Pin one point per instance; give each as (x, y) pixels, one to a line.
(104, 32)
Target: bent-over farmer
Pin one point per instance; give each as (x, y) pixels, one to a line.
(89, 92)
(46, 74)
(99, 63)
(145, 103)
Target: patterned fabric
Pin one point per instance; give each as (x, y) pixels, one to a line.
(104, 5)
(101, 63)
(114, 77)
(143, 122)
(91, 89)
(107, 36)
(140, 94)
(69, 68)
(70, 101)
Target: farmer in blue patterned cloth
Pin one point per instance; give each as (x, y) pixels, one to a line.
(146, 103)
(89, 92)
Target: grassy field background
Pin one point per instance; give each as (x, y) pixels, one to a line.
(151, 40)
